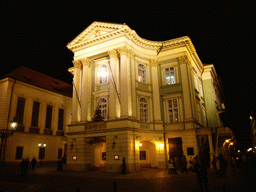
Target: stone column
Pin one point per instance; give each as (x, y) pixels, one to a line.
(76, 92)
(186, 87)
(124, 82)
(114, 105)
(156, 94)
(86, 92)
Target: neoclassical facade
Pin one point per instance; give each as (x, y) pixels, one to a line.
(150, 94)
(42, 107)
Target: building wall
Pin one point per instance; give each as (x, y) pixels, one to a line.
(25, 136)
(123, 90)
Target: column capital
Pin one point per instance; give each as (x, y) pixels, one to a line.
(112, 53)
(133, 55)
(184, 59)
(123, 50)
(86, 62)
(154, 62)
(77, 63)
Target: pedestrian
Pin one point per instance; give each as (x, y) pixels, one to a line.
(171, 168)
(191, 168)
(223, 165)
(214, 161)
(184, 165)
(23, 168)
(33, 163)
(123, 167)
(201, 173)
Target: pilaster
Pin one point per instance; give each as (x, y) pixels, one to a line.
(114, 109)
(86, 91)
(124, 81)
(156, 94)
(76, 91)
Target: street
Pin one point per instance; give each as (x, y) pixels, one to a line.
(49, 179)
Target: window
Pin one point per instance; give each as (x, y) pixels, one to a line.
(143, 109)
(60, 119)
(35, 114)
(102, 74)
(172, 109)
(169, 76)
(141, 73)
(20, 110)
(103, 105)
(19, 152)
(142, 155)
(48, 121)
(103, 156)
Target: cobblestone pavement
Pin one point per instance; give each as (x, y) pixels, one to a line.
(49, 179)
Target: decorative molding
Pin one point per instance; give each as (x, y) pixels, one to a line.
(154, 62)
(123, 50)
(86, 62)
(77, 64)
(112, 53)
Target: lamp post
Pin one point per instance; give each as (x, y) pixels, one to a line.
(5, 133)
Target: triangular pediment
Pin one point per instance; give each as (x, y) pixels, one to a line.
(95, 31)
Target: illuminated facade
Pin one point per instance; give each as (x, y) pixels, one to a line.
(215, 110)
(41, 105)
(151, 96)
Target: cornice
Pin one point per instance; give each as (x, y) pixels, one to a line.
(78, 42)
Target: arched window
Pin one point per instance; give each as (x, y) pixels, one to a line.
(103, 105)
(102, 74)
(143, 109)
(142, 73)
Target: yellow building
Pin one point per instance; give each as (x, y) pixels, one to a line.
(41, 105)
(150, 94)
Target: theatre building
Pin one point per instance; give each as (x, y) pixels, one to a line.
(150, 95)
(41, 105)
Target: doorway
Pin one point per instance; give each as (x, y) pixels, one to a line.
(100, 155)
(147, 154)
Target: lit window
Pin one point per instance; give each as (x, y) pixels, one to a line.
(103, 106)
(169, 75)
(102, 74)
(173, 112)
(141, 73)
(143, 109)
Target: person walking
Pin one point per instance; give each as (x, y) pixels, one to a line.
(184, 165)
(214, 161)
(23, 168)
(33, 163)
(171, 168)
(201, 172)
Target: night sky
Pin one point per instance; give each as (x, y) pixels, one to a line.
(35, 35)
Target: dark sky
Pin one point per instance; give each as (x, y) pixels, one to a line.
(35, 35)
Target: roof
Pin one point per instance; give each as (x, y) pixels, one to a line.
(41, 80)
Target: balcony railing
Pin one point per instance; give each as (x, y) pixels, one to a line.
(47, 131)
(95, 125)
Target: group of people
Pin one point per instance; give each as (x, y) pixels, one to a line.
(174, 162)
(24, 164)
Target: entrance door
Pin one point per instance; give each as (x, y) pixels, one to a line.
(147, 154)
(175, 147)
(100, 155)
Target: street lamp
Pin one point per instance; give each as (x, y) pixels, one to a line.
(5, 134)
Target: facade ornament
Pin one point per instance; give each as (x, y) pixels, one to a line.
(77, 63)
(154, 62)
(133, 55)
(86, 62)
(123, 50)
(112, 53)
(184, 59)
